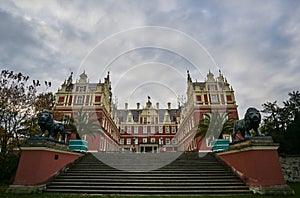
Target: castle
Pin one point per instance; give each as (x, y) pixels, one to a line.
(146, 128)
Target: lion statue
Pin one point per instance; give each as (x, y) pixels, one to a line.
(47, 123)
(251, 121)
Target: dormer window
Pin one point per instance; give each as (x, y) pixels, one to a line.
(212, 88)
(167, 118)
(129, 117)
(81, 89)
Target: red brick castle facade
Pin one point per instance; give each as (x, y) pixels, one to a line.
(148, 128)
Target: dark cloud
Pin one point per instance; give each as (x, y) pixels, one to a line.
(255, 43)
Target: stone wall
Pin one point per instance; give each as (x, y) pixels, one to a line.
(291, 168)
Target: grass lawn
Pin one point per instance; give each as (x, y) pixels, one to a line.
(295, 186)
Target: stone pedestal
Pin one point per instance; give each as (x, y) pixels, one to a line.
(256, 161)
(39, 163)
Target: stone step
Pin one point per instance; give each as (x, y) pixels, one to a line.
(150, 174)
(153, 171)
(205, 181)
(77, 170)
(187, 175)
(184, 177)
(145, 187)
(145, 183)
(182, 191)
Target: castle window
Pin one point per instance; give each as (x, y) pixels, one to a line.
(152, 140)
(212, 88)
(228, 97)
(128, 129)
(214, 99)
(167, 129)
(61, 99)
(152, 120)
(144, 129)
(121, 141)
(173, 129)
(144, 140)
(97, 98)
(167, 118)
(168, 141)
(205, 99)
(136, 129)
(128, 141)
(152, 129)
(79, 100)
(81, 89)
(160, 129)
(129, 119)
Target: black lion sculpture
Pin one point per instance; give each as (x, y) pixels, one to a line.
(47, 123)
(251, 121)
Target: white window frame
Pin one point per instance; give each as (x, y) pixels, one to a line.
(152, 129)
(173, 129)
(136, 129)
(129, 129)
(160, 129)
(212, 88)
(128, 141)
(168, 141)
(145, 129)
(167, 129)
(214, 98)
(122, 141)
(79, 100)
(81, 89)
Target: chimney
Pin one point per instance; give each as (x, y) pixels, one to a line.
(138, 105)
(169, 105)
(126, 106)
(157, 105)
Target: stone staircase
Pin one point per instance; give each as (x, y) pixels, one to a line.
(187, 175)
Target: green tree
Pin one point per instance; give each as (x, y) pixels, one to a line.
(87, 123)
(291, 141)
(214, 125)
(278, 121)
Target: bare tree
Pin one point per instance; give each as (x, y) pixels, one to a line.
(17, 105)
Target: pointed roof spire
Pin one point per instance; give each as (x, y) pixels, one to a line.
(70, 79)
(210, 77)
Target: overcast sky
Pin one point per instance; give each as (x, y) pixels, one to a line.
(149, 45)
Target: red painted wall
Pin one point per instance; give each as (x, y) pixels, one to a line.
(256, 167)
(39, 166)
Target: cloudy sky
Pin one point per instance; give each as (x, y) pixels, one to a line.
(149, 45)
